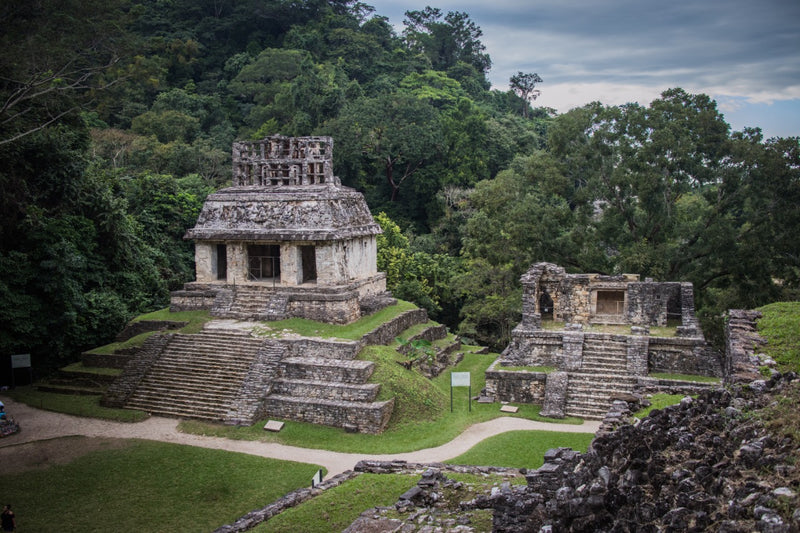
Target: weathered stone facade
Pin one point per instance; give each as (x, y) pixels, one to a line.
(599, 299)
(593, 368)
(288, 228)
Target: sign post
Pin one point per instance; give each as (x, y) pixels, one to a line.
(460, 379)
(22, 360)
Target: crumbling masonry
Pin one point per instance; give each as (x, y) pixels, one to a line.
(584, 371)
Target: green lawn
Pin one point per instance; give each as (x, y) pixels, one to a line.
(337, 508)
(149, 486)
(422, 416)
(73, 404)
(521, 449)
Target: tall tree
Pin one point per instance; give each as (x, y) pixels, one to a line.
(55, 58)
(524, 85)
(446, 41)
(395, 134)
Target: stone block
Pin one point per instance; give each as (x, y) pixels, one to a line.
(274, 426)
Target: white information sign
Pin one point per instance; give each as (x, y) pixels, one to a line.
(22, 360)
(459, 379)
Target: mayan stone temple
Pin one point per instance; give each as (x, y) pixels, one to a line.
(285, 240)
(590, 334)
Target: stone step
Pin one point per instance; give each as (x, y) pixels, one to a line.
(325, 390)
(321, 369)
(322, 348)
(188, 381)
(588, 414)
(370, 417)
(223, 345)
(177, 410)
(200, 366)
(185, 399)
(577, 378)
(592, 396)
(591, 367)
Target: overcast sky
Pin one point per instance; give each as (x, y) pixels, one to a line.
(743, 53)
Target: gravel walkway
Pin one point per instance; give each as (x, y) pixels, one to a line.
(39, 425)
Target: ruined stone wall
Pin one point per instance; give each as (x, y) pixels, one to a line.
(340, 308)
(386, 332)
(534, 348)
(135, 369)
(192, 300)
(515, 386)
(741, 342)
(323, 348)
(648, 301)
(367, 418)
(683, 356)
(572, 300)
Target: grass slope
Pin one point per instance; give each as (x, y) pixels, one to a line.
(149, 486)
(521, 449)
(337, 508)
(780, 325)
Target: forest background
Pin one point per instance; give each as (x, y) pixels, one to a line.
(117, 118)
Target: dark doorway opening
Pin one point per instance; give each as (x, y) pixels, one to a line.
(222, 261)
(264, 261)
(546, 306)
(308, 258)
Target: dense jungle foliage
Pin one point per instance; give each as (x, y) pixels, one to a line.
(117, 118)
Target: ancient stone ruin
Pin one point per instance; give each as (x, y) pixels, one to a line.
(581, 371)
(286, 240)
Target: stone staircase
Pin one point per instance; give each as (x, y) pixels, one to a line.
(329, 387)
(602, 376)
(198, 376)
(247, 302)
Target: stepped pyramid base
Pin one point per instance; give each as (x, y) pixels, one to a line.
(226, 374)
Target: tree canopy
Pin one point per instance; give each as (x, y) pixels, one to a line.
(117, 119)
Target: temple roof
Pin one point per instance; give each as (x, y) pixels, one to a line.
(287, 213)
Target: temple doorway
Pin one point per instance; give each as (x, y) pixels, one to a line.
(263, 262)
(308, 258)
(546, 306)
(610, 303)
(222, 262)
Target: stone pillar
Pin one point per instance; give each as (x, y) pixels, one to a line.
(689, 326)
(237, 263)
(637, 354)
(291, 266)
(205, 262)
(555, 395)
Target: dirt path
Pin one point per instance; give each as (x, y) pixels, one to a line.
(38, 425)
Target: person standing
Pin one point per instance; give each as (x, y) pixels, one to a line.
(8, 521)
